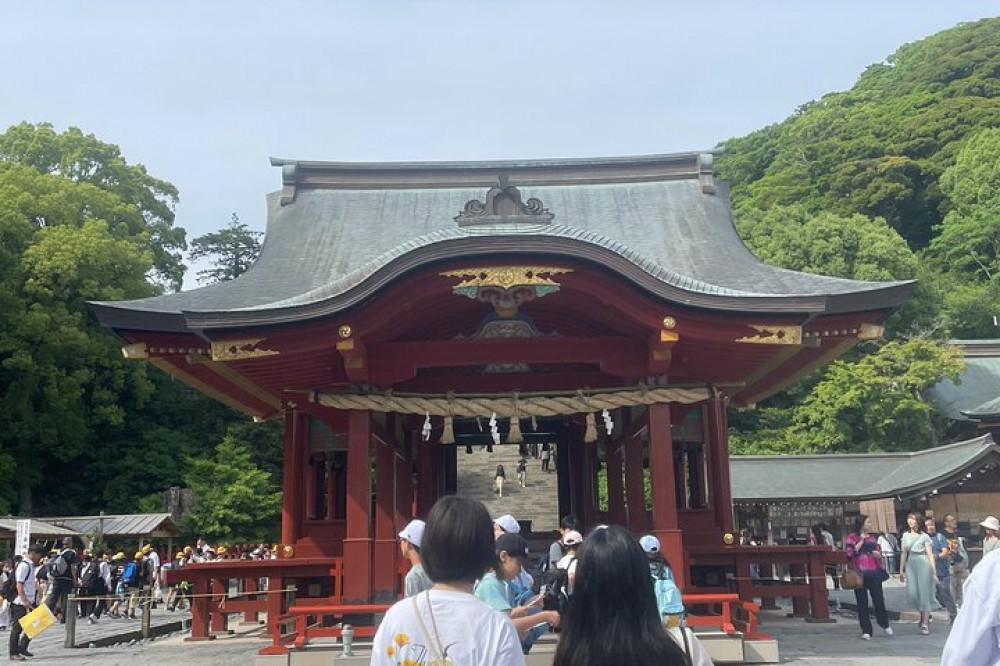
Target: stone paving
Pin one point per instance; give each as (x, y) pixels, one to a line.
(801, 643)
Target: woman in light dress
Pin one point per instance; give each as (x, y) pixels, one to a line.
(917, 569)
(992, 538)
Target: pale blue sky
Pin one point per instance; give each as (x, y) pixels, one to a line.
(203, 92)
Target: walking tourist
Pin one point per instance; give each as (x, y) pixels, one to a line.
(973, 637)
(498, 479)
(571, 543)
(569, 523)
(492, 589)
(959, 557)
(546, 456)
(21, 605)
(62, 579)
(942, 566)
(118, 566)
(992, 538)
(821, 536)
(917, 568)
(91, 587)
(888, 549)
(409, 545)
(865, 557)
(668, 595)
(613, 617)
(154, 571)
(447, 624)
(522, 471)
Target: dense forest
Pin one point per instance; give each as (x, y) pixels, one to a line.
(897, 178)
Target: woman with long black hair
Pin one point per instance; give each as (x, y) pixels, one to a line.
(612, 618)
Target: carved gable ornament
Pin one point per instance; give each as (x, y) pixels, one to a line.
(503, 205)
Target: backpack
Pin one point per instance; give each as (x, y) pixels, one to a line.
(59, 566)
(131, 575)
(668, 595)
(556, 583)
(90, 579)
(9, 591)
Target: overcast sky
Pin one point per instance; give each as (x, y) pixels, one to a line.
(203, 93)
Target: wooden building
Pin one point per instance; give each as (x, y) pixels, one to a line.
(392, 304)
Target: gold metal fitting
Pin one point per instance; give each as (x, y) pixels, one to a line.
(728, 538)
(669, 322)
(345, 331)
(287, 551)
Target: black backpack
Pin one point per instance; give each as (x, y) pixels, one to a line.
(91, 580)
(10, 587)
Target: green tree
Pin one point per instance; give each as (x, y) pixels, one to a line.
(236, 501)
(875, 404)
(232, 250)
(148, 203)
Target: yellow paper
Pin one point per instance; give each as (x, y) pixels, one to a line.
(37, 621)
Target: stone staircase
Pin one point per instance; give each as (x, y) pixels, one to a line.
(539, 502)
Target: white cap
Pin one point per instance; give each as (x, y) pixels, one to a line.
(991, 523)
(413, 532)
(508, 523)
(650, 543)
(572, 538)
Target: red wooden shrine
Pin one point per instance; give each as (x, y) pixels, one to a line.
(567, 278)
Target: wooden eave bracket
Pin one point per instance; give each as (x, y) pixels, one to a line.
(661, 351)
(355, 357)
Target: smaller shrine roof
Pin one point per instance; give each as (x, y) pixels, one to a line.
(134, 524)
(977, 393)
(39, 528)
(854, 477)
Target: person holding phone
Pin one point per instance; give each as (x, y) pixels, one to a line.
(492, 588)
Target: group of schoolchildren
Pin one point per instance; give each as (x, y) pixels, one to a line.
(470, 598)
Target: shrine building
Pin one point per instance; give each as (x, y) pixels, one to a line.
(393, 304)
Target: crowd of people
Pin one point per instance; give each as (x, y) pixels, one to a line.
(473, 595)
(104, 583)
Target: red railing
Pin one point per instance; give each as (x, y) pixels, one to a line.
(733, 614)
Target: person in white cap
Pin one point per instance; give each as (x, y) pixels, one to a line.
(417, 579)
(570, 541)
(973, 640)
(505, 524)
(992, 538)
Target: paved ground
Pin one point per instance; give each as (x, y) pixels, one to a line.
(834, 644)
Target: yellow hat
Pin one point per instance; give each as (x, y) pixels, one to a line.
(138, 555)
(119, 556)
(146, 549)
(222, 550)
(179, 555)
(188, 550)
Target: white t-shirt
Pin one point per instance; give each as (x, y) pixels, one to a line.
(154, 560)
(471, 633)
(25, 574)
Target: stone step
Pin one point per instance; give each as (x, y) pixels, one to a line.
(538, 502)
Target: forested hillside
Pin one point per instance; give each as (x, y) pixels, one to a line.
(896, 178)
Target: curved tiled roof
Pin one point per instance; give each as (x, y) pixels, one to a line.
(855, 476)
(339, 232)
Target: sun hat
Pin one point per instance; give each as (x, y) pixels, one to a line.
(119, 556)
(513, 544)
(179, 555)
(222, 550)
(146, 549)
(572, 538)
(508, 523)
(413, 532)
(138, 555)
(650, 543)
(991, 523)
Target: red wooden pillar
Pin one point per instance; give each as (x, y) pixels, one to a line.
(662, 479)
(588, 453)
(291, 502)
(358, 542)
(616, 487)
(384, 568)
(718, 449)
(634, 484)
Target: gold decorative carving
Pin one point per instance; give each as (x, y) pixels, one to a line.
(728, 538)
(669, 322)
(135, 351)
(344, 331)
(238, 350)
(669, 337)
(506, 277)
(768, 334)
(870, 332)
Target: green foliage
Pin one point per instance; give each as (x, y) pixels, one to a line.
(879, 149)
(145, 204)
(236, 500)
(232, 249)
